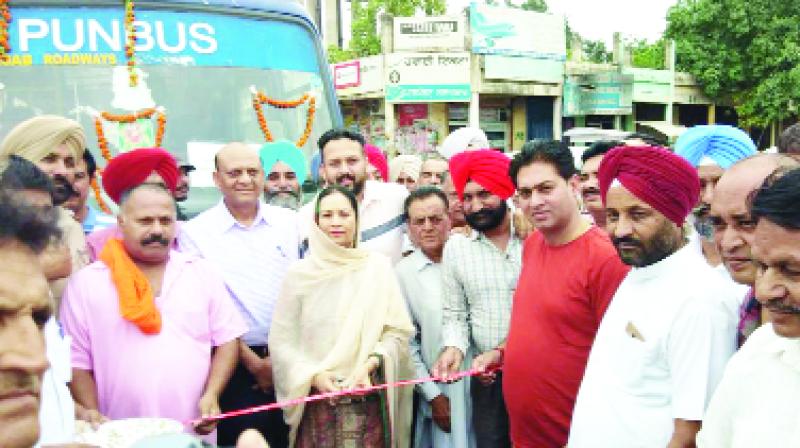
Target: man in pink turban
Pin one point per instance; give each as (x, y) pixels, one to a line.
(665, 339)
(378, 168)
(480, 272)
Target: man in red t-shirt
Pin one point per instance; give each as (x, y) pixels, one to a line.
(570, 272)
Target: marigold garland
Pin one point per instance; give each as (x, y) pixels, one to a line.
(5, 20)
(102, 142)
(130, 42)
(259, 98)
(99, 197)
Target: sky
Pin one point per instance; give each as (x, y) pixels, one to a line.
(599, 19)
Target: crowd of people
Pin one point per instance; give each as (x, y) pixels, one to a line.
(648, 298)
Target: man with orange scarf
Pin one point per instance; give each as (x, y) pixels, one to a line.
(155, 332)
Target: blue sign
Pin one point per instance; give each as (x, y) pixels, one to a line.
(96, 36)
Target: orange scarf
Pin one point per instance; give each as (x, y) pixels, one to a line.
(136, 302)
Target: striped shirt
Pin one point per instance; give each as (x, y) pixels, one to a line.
(252, 260)
(479, 283)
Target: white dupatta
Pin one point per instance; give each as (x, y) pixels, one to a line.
(337, 307)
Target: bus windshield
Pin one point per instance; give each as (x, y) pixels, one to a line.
(196, 78)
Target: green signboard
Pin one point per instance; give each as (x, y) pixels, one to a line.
(598, 94)
(415, 93)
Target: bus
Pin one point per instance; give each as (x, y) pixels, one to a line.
(201, 73)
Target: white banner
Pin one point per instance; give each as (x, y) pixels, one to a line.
(511, 31)
(428, 33)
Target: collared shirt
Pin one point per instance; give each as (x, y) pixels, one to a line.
(252, 260)
(97, 220)
(479, 284)
(755, 404)
(421, 283)
(658, 355)
(141, 375)
(380, 218)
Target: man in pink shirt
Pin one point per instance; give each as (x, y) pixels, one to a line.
(154, 331)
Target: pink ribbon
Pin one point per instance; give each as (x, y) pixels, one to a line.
(341, 393)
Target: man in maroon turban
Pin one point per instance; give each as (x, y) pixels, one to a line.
(665, 339)
(480, 272)
(140, 166)
(127, 171)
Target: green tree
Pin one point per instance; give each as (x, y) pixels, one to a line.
(528, 5)
(365, 40)
(745, 50)
(647, 55)
(595, 51)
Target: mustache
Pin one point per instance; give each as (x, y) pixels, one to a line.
(590, 190)
(777, 306)
(345, 176)
(63, 184)
(155, 238)
(627, 240)
(20, 382)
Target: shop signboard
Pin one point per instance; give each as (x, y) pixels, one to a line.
(598, 94)
(517, 68)
(359, 76)
(428, 33)
(428, 77)
(515, 32)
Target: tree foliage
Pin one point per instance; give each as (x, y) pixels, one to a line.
(744, 50)
(365, 40)
(527, 5)
(648, 55)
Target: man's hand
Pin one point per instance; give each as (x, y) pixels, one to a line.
(91, 416)
(449, 363)
(483, 362)
(440, 410)
(262, 372)
(209, 406)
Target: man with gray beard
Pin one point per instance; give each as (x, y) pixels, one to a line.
(286, 171)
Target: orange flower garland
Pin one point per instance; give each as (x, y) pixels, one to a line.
(102, 142)
(99, 197)
(5, 20)
(259, 99)
(130, 42)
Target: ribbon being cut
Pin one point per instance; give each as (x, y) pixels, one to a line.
(343, 393)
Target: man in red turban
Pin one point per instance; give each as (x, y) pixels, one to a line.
(480, 274)
(127, 171)
(143, 165)
(486, 167)
(664, 341)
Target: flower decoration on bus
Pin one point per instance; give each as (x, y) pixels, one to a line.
(133, 130)
(5, 20)
(260, 99)
(130, 41)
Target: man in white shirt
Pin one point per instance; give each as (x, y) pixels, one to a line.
(442, 418)
(665, 338)
(380, 204)
(756, 402)
(252, 245)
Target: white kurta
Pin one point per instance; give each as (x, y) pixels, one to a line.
(57, 410)
(421, 284)
(755, 404)
(658, 355)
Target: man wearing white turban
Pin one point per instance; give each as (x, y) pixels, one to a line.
(404, 170)
(463, 139)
